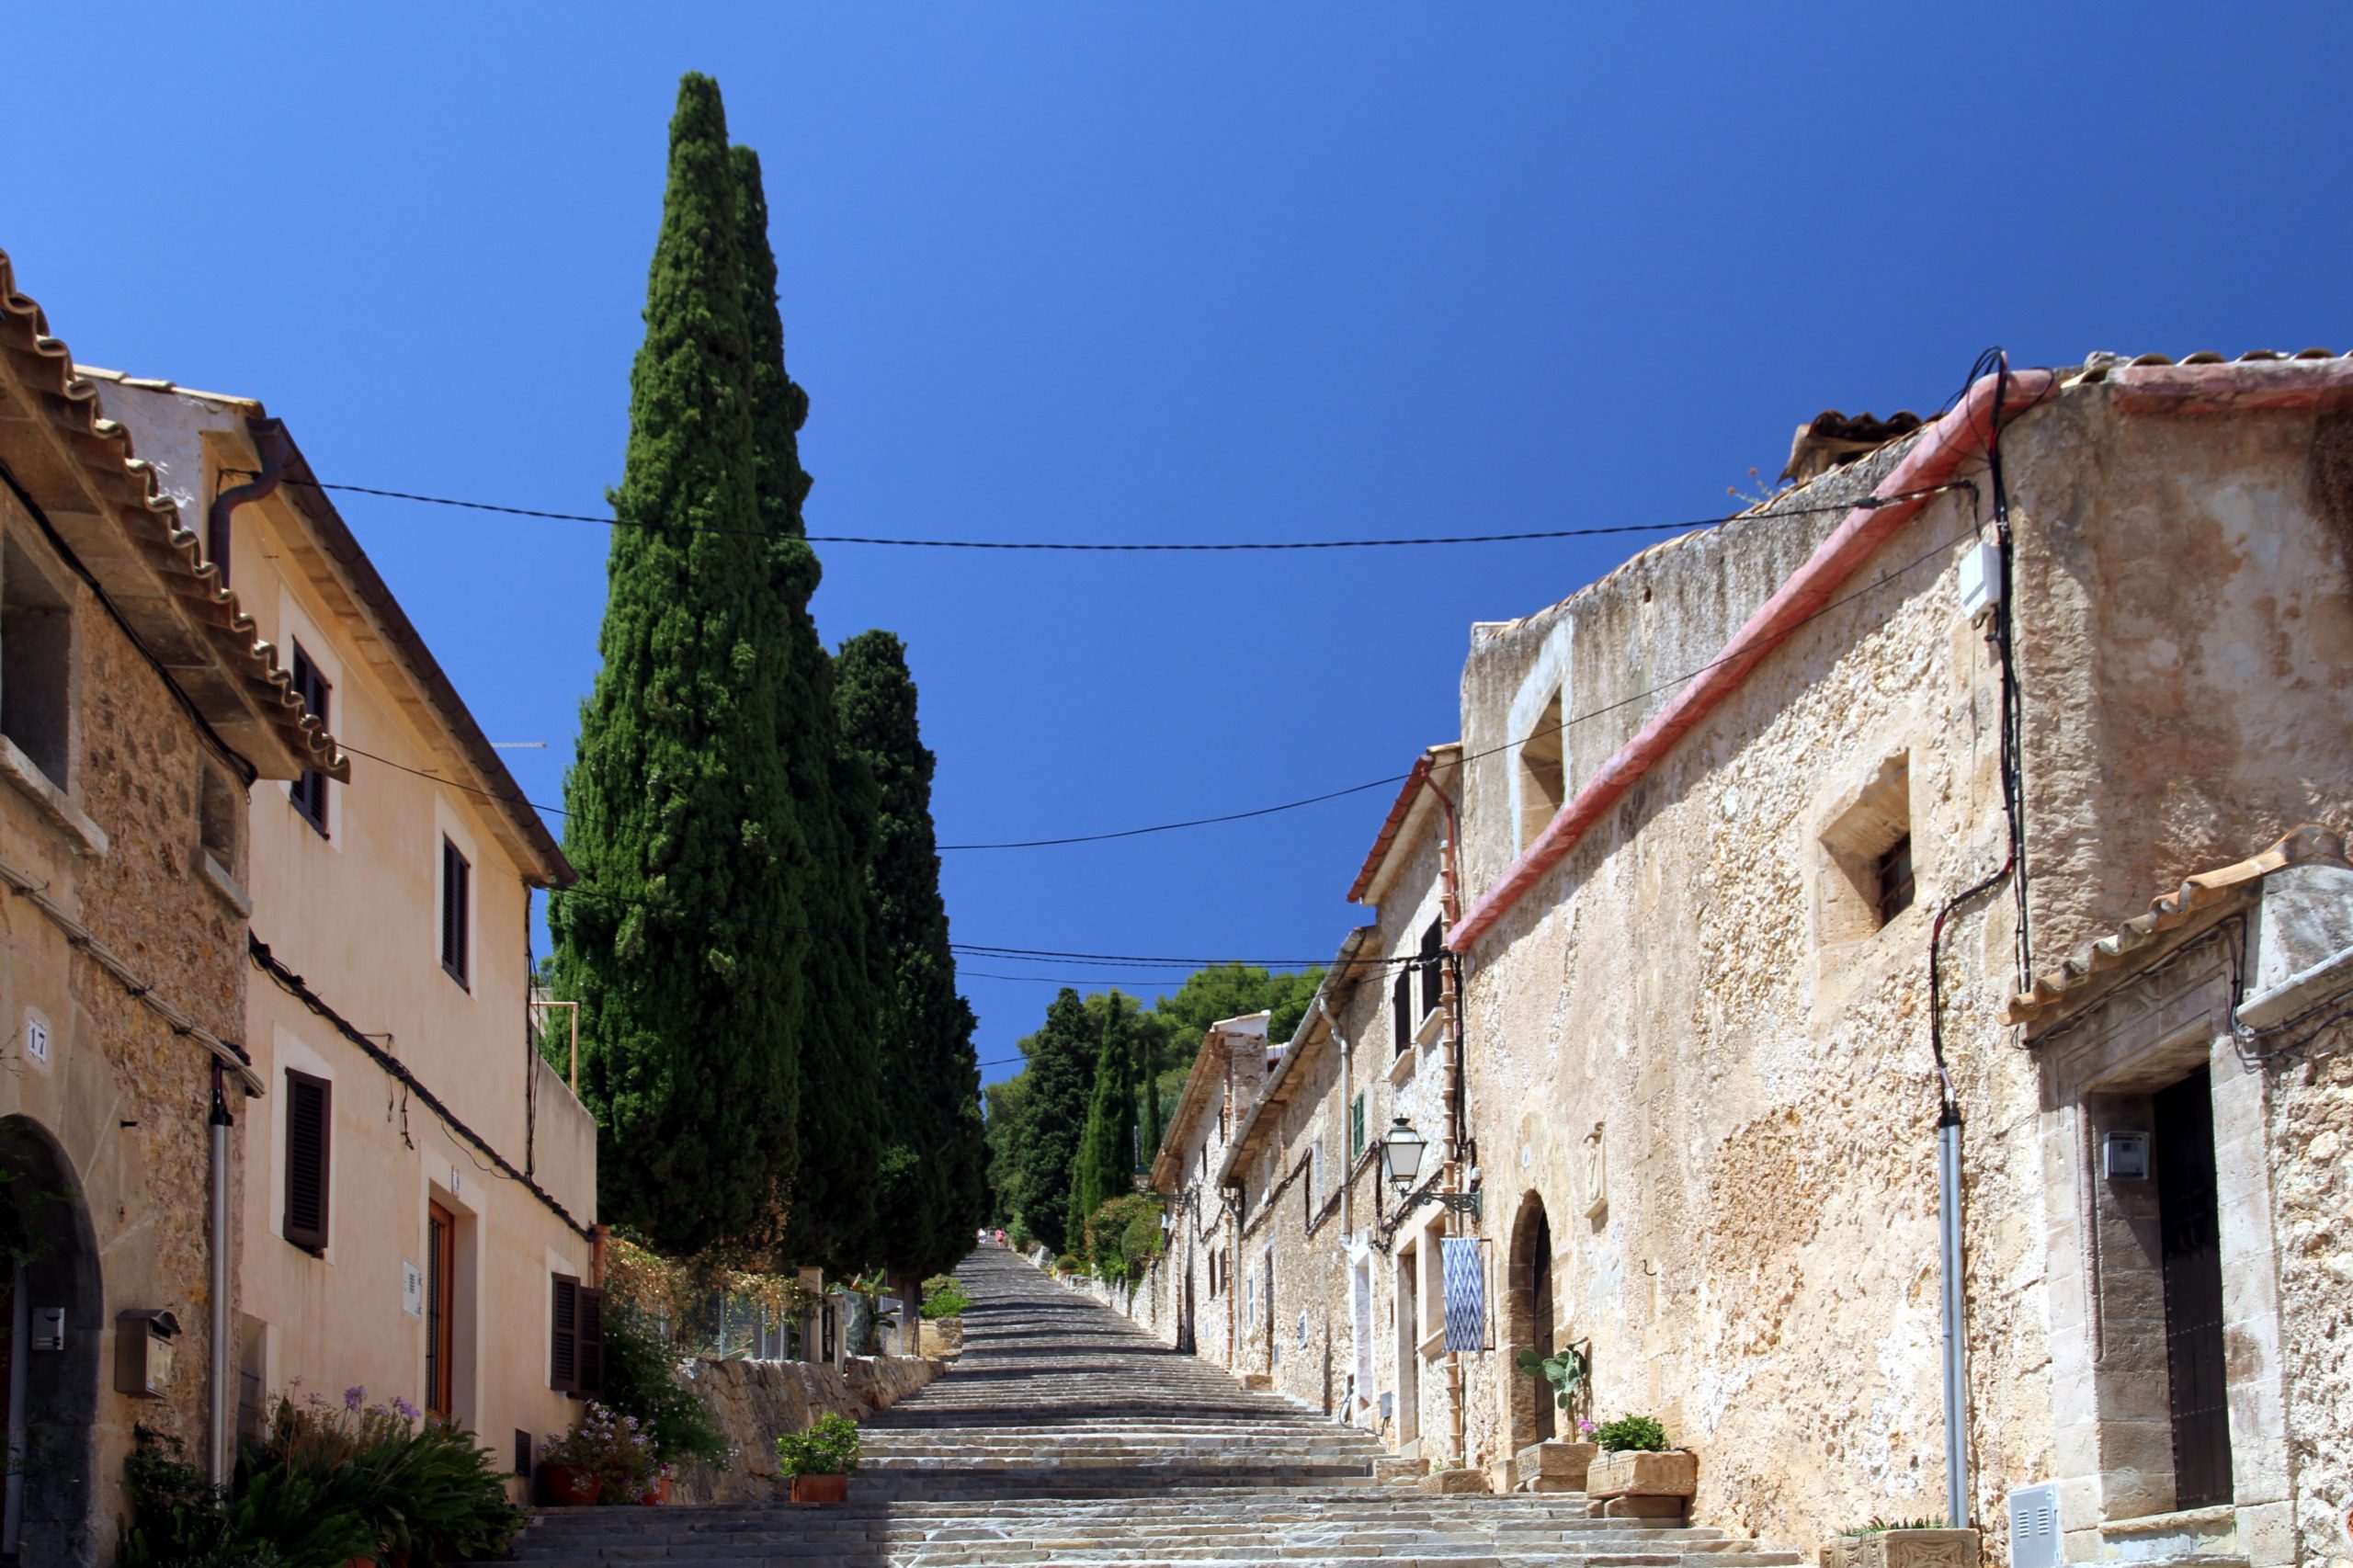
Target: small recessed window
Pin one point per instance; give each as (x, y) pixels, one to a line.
(220, 819)
(309, 791)
(457, 912)
(1543, 773)
(36, 663)
(1893, 874)
(1866, 879)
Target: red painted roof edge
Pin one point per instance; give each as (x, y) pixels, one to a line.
(1933, 459)
(1389, 829)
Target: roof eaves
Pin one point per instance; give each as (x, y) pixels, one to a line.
(1343, 972)
(194, 628)
(2169, 913)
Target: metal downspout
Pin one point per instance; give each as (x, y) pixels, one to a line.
(1956, 1348)
(1449, 997)
(269, 441)
(217, 1425)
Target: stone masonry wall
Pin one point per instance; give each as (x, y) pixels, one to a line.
(756, 1402)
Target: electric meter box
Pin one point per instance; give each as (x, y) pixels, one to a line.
(2124, 1156)
(1979, 580)
(143, 1352)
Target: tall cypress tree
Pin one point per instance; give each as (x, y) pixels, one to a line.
(1062, 1081)
(684, 936)
(1106, 1150)
(846, 985)
(934, 1189)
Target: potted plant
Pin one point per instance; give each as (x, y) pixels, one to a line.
(819, 1462)
(1558, 1464)
(1637, 1473)
(569, 1473)
(1902, 1543)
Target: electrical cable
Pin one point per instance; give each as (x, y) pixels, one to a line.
(1082, 547)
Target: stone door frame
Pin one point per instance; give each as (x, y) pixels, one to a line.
(2112, 1422)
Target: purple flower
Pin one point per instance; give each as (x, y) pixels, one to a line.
(353, 1395)
(407, 1410)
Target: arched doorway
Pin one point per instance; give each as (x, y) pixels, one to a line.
(50, 1358)
(1527, 1323)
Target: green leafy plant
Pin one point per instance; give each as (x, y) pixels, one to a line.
(1880, 1526)
(1565, 1370)
(944, 1296)
(1641, 1433)
(1069, 1262)
(616, 1446)
(828, 1447)
(644, 1378)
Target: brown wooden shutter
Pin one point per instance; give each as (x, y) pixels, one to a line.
(591, 1383)
(1400, 1007)
(457, 897)
(563, 1335)
(309, 791)
(310, 1127)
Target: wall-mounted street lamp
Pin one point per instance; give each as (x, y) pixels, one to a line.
(1401, 1151)
(1142, 1179)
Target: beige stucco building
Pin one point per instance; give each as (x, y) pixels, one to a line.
(419, 1201)
(135, 707)
(1716, 812)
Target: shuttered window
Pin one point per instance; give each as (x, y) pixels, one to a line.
(309, 791)
(1400, 1007)
(310, 1126)
(575, 1338)
(1432, 959)
(457, 912)
(1356, 1128)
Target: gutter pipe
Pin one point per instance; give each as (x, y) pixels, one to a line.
(1956, 1348)
(217, 1449)
(1932, 462)
(269, 442)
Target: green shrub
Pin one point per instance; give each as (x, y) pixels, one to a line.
(1879, 1527)
(1019, 1234)
(944, 1296)
(828, 1447)
(644, 1380)
(1070, 1263)
(1636, 1433)
(321, 1486)
(1122, 1238)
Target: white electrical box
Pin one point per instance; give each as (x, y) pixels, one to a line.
(2124, 1156)
(1979, 580)
(2034, 1527)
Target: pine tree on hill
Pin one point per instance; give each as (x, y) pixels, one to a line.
(847, 990)
(934, 1190)
(1061, 1081)
(687, 930)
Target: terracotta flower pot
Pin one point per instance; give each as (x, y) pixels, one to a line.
(657, 1492)
(569, 1485)
(821, 1488)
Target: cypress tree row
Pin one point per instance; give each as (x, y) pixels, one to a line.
(1107, 1148)
(1062, 1082)
(933, 1188)
(685, 937)
(846, 989)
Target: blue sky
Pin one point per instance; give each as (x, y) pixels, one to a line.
(1209, 272)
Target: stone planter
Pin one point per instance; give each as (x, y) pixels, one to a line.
(1915, 1549)
(821, 1488)
(569, 1485)
(1553, 1466)
(1637, 1484)
(1838, 1552)
(1638, 1473)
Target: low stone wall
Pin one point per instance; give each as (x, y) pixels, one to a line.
(756, 1402)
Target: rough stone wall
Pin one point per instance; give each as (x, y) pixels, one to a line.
(127, 1100)
(2313, 1132)
(1760, 1271)
(756, 1402)
(1688, 983)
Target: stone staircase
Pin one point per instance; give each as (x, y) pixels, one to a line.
(1066, 1434)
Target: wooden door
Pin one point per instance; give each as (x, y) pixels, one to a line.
(2190, 1243)
(440, 1302)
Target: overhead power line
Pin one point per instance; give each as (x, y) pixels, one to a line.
(1088, 546)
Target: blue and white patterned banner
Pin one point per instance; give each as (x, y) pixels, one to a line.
(1466, 1295)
